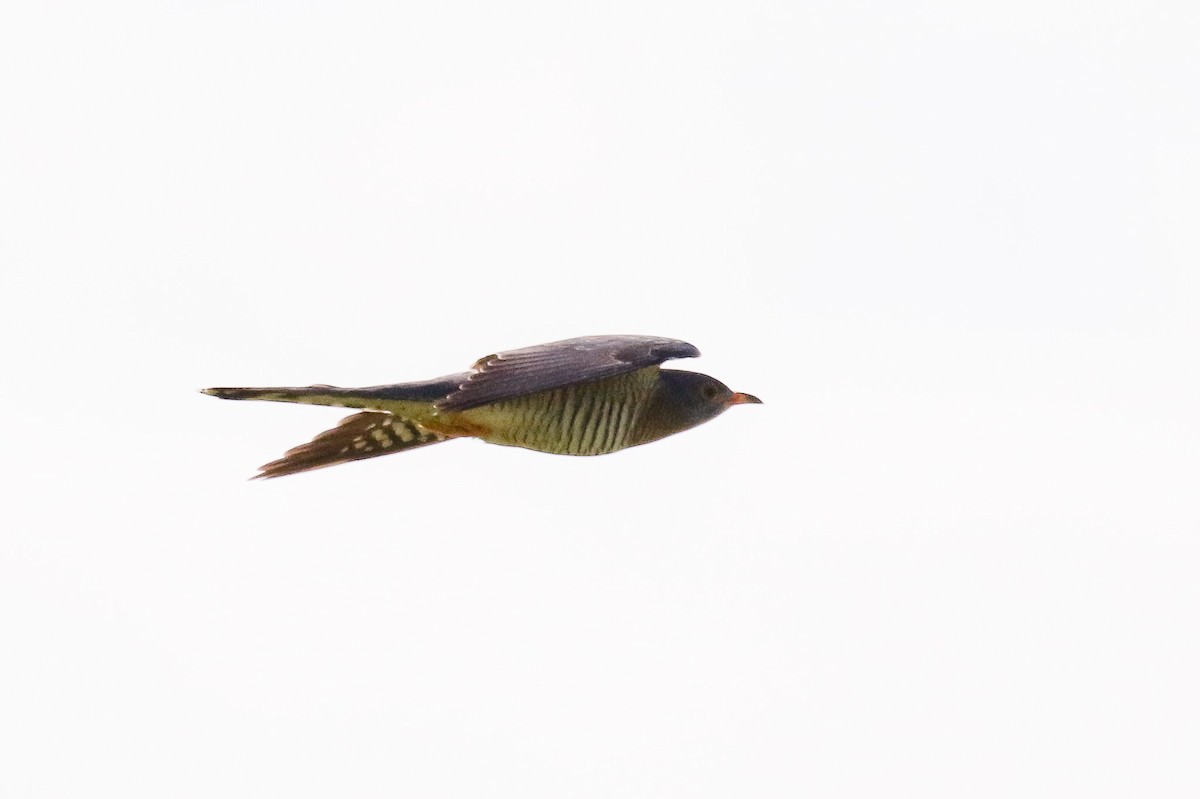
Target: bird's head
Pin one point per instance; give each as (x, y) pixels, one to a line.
(696, 398)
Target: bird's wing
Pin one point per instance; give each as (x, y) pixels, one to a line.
(517, 373)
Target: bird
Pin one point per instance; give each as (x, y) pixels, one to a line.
(591, 395)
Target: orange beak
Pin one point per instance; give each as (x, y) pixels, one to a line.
(739, 398)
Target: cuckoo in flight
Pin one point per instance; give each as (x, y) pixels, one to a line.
(583, 396)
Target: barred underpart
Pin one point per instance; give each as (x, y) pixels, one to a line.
(584, 419)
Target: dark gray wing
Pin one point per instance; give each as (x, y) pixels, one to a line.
(517, 373)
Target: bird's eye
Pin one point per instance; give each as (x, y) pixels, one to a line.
(709, 392)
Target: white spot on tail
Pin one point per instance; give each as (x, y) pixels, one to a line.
(403, 431)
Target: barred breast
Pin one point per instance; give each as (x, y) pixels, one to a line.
(583, 419)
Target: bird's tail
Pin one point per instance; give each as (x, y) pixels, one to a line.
(410, 400)
(308, 395)
(395, 418)
(363, 435)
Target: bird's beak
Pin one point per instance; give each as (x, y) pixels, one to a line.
(739, 398)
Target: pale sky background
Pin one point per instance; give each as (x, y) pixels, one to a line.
(953, 246)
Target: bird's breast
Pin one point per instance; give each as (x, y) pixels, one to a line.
(583, 419)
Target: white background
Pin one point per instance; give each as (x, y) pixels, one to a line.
(952, 245)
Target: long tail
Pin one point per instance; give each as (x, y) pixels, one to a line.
(363, 435)
(393, 420)
(308, 395)
(403, 398)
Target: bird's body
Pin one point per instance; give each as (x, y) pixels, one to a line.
(586, 396)
(580, 419)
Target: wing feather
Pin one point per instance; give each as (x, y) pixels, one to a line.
(517, 373)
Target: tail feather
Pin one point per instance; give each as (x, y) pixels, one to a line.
(308, 395)
(373, 397)
(363, 435)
